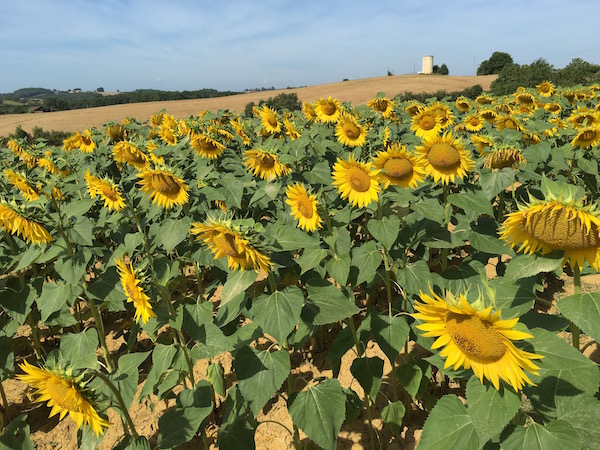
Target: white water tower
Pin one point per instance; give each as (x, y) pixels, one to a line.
(427, 65)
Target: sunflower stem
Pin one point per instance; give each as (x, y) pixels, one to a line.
(575, 331)
(388, 289)
(4, 400)
(359, 348)
(367, 402)
(120, 401)
(272, 283)
(99, 324)
(138, 224)
(446, 222)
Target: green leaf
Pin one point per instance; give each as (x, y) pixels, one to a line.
(584, 311)
(172, 232)
(415, 277)
(449, 426)
(583, 413)
(490, 410)
(390, 334)
(514, 298)
(162, 356)
(73, 268)
(338, 268)
(237, 282)
(392, 415)
(210, 342)
(77, 208)
(233, 189)
(564, 371)
(260, 374)
(131, 443)
(15, 435)
(82, 232)
(487, 244)
(317, 412)
(216, 375)
(80, 349)
(525, 266)
(27, 258)
(368, 372)
(326, 303)
(194, 316)
(278, 313)
(289, 238)
(353, 405)
(55, 296)
(108, 289)
(472, 202)
(367, 258)
(558, 434)
(310, 258)
(7, 358)
(126, 377)
(414, 376)
(385, 230)
(429, 208)
(343, 342)
(495, 181)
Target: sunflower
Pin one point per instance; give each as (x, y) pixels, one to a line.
(570, 96)
(484, 100)
(107, 190)
(445, 158)
(309, 112)
(504, 157)
(483, 144)
(290, 128)
(583, 117)
(463, 104)
(356, 181)
(505, 108)
(553, 108)
(167, 135)
(304, 207)
(525, 98)
(86, 144)
(413, 108)
(545, 88)
(489, 115)
(206, 146)
(399, 167)
(65, 394)
(328, 110)
(349, 132)
(115, 132)
(559, 222)
(233, 242)
(444, 112)
(164, 188)
(131, 282)
(504, 122)
(168, 121)
(265, 164)
(71, 143)
(127, 153)
(156, 119)
(183, 128)
(238, 126)
(473, 123)
(426, 123)
(269, 120)
(476, 339)
(18, 180)
(28, 229)
(384, 106)
(587, 137)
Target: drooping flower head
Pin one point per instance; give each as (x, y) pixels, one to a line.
(304, 207)
(164, 187)
(206, 146)
(356, 181)
(19, 180)
(476, 339)
(445, 158)
(328, 110)
(483, 144)
(413, 108)
(463, 104)
(587, 137)
(107, 190)
(86, 144)
(290, 128)
(64, 393)
(126, 152)
(559, 222)
(265, 164)
(349, 132)
(131, 281)
(399, 167)
(309, 111)
(505, 156)
(270, 121)
(236, 243)
(444, 112)
(15, 222)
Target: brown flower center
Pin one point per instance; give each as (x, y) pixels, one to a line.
(443, 156)
(305, 206)
(398, 168)
(226, 243)
(165, 184)
(557, 228)
(328, 108)
(476, 337)
(427, 123)
(266, 161)
(351, 131)
(359, 179)
(108, 192)
(272, 120)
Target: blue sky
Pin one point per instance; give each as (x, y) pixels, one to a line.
(234, 44)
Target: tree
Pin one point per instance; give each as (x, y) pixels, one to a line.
(436, 68)
(443, 70)
(578, 72)
(494, 65)
(100, 89)
(514, 75)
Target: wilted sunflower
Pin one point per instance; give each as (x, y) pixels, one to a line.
(107, 190)
(445, 158)
(238, 126)
(463, 104)
(237, 244)
(476, 339)
(65, 394)
(525, 98)
(183, 128)
(128, 153)
(570, 96)
(489, 115)
(15, 147)
(356, 181)
(265, 164)
(559, 222)
(328, 110)
(206, 146)
(426, 123)
(413, 108)
(349, 132)
(304, 207)
(545, 89)
(483, 144)
(484, 99)
(269, 120)
(473, 123)
(504, 157)
(131, 282)
(384, 106)
(18, 180)
(583, 117)
(507, 121)
(444, 112)
(587, 137)
(399, 167)
(164, 188)
(505, 108)
(28, 229)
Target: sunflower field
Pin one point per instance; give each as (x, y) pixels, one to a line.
(408, 254)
